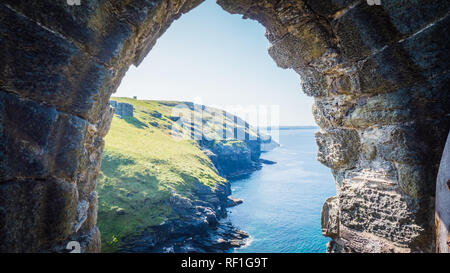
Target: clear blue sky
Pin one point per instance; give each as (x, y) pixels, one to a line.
(221, 59)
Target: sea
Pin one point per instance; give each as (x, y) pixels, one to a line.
(282, 202)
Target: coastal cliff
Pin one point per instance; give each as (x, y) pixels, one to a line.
(160, 192)
(231, 143)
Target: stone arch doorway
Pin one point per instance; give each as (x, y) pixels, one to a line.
(377, 74)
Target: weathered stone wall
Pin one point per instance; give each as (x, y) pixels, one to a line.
(378, 75)
(122, 109)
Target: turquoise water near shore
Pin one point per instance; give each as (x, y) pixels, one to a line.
(282, 202)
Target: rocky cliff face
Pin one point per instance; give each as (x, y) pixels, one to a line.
(197, 230)
(378, 75)
(234, 147)
(233, 159)
(160, 193)
(378, 79)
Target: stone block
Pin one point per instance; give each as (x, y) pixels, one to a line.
(415, 143)
(93, 25)
(383, 109)
(414, 60)
(314, 83)
(37, 140)
(390, 69)
(307, 43)
(330, 111)
(409, 16)
(41, 65)
(122, 109)
(416, 180)
(36, 214)
(364, 29)
(428, 50)
(330, 217)
(92, 243)
(338, 148)
(91, 219)
(377, 206)
(353, 241)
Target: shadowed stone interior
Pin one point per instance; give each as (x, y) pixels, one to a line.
(378, 74)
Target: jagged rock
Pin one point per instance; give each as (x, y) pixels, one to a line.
(233, 201)
(267, 162)
(371, 204)
(234, 149)
(330, 217)
(338, 148)
(235, 159)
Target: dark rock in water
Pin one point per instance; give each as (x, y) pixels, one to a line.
(217, 240)
(198, 230)
(166, 240)
(232, 201)
(267, 162)
(210, 215)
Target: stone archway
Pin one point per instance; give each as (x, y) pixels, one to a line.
(377, 73)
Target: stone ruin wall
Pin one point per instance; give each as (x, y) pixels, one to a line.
(378, 75)
(122, 109)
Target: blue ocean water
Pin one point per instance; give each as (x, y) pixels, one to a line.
(282, 202)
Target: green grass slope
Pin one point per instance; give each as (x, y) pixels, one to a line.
(142, 166)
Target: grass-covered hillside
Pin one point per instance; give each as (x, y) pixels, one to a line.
(143, 167)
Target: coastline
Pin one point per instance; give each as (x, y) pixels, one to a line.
(186, 216)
